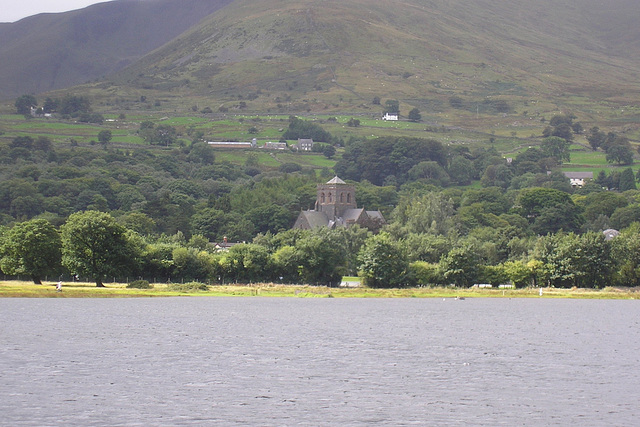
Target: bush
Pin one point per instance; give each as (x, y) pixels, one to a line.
(290, 167)
(188, 287)
(139, 284)
(425, 274)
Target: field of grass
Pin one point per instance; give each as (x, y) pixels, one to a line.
(588, 157)
(587, 160)
(19, 289)
(509, 138)
(63, 131)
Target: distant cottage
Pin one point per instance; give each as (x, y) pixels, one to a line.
(336, 207)
(304, 144)
(390, 116)
(578, 179)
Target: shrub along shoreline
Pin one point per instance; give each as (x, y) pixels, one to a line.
(20, 289)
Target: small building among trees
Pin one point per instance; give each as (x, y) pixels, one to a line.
(579, 179)
(304, 144)
(336, 207)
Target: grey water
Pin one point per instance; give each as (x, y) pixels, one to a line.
(295, 361)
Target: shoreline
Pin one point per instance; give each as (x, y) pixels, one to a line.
(22, 289)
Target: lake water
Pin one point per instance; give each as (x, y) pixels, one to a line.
(290, 361)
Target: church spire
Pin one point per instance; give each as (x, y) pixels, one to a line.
(336, 180)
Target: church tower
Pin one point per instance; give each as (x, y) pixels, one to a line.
(335, 197)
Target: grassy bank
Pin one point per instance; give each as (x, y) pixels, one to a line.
(17, 289)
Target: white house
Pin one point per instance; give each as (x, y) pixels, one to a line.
(304, 144)
(578, 179)
(391, 117)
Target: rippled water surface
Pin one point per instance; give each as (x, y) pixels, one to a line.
(270, 361)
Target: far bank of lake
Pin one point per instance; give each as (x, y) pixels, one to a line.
(21, 289)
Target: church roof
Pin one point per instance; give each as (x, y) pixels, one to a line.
(375, 214)
(352, 214)
(315, 219)
(336, 180)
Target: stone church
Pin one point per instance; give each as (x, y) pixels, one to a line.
(336, 207)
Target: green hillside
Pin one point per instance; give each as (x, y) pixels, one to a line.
(53, 51)
(482, 65)
(528, 58)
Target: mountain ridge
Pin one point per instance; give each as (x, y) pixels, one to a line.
(422, 48)
(53, 51)
(303, 55)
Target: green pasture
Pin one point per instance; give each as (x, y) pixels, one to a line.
(588, 158)
(312, 160)
(182, 121)
(240, 156)
(273, 159)
(269, 127)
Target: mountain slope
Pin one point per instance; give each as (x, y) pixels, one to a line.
(52, 51)
(422, 52)
(329, 55)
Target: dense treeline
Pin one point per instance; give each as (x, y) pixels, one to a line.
(385, 160)
(95, 246)
(151, 191)
(168, 205)
(69, 106)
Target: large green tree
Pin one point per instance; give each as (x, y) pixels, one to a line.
(596, 138)
(95, 245)
(247, 263)
(626, 255)
(531, 201)
(428, 213)
(322, 255)
(461, 266)
(25, 103)
(573, 260)
(619, 151)
(33, 248)
(392, 106)
(104, 136)
(383, 263)
(414, 115)
(603, 203)
(627, 180)
(299, 128)
(378, 159)
(557, 148)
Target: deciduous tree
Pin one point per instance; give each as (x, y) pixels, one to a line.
(25, 103)
(414, 115)
(95, 245)
(383, 263)
(322, 255)
(104, 136)
(557, 148)
(392, 106)
(619, 151)
(33, 248)
(461, 265)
